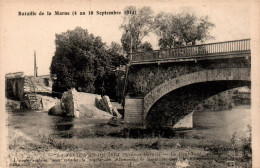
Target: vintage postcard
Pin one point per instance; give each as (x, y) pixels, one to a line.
(129, 84)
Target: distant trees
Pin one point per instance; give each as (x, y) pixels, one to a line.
(117, 54)
(136, 27)
(83, 61)
(146, 46)
(173, 30)
(181, 29)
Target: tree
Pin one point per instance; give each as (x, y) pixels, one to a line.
(108, 82)
(181, 29)
(146, 46)
(117, 54)
(80, 59)
(136, 27)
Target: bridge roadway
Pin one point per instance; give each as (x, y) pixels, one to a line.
(227, 49)
(210, 68)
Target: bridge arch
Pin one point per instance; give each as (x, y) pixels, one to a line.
(224, 74)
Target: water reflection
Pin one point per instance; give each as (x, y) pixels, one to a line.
(218, 125)
(64, 124)
(63, 127)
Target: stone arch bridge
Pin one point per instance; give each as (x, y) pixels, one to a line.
(163, 87)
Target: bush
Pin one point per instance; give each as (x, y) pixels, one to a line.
(247, 145)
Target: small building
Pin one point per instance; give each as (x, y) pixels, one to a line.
(14, 83)
(242, 96)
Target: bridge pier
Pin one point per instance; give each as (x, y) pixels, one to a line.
(134, 116)
(185, 123)
(134, 112)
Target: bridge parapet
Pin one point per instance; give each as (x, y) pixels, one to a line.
(212, 49)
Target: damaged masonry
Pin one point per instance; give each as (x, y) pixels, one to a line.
(35, 93)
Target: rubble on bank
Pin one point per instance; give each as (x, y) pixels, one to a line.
(79, 104)
(32, 92)
(12, 105)
(48, 102)
(114, 121)
(56, 110)
(41, 102)
(105, 105)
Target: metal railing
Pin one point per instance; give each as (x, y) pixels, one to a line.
(193, 51)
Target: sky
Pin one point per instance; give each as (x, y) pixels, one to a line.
(21, 35)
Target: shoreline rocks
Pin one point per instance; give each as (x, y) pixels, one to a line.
(105, 105)
(79, 104)
(56, 110)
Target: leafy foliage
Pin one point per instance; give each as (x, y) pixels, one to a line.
(173, 30)
(82, 61)
(181, 29)
(247, 144)
(117, 54)
(146, 46)
(136, 27)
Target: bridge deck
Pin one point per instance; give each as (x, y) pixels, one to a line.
(227, 49)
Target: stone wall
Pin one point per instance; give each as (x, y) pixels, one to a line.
(38, 85)
(142, 79)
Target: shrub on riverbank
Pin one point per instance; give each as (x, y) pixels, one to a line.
(243, 144)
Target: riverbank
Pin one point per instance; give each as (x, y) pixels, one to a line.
(25, 151)
(37, 139)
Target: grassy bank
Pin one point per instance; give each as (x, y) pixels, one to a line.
(47, 151)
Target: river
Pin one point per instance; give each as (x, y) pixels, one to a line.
(214, 125)
(220, 125)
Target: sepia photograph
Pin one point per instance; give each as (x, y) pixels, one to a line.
(163, 84)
